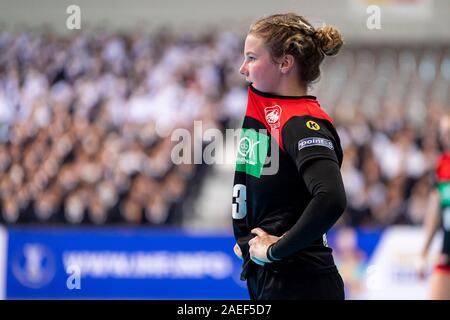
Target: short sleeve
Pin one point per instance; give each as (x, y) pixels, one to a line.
(306, 138)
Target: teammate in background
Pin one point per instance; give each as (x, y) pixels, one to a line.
(437, 217)
(288, 190)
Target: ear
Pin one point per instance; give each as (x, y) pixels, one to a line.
(287, 63)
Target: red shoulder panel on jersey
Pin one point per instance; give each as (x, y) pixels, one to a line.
(275, 111)
(443, 167)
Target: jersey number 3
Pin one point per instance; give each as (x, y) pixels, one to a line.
(239, 201)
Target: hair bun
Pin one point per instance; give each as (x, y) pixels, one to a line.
(329, 40)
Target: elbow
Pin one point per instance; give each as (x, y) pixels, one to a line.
(335, 200)
(341, 200)
(341, 203)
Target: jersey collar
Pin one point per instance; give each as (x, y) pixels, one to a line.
(275, 96)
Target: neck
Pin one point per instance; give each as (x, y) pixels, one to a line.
(291, 87)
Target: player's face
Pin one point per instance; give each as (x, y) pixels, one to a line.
(258, 66)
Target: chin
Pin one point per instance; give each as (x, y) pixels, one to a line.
(259, 88)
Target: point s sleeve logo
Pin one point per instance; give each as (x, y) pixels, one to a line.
(312, 141)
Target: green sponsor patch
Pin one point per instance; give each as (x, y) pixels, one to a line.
(252, 152)
(444, 193)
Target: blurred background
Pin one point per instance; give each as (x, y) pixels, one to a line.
(92, 204)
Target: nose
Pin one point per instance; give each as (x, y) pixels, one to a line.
(243, 69)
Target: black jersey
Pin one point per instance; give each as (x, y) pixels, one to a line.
(279, 135)
(443, 185)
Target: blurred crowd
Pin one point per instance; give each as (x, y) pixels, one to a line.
(387, 102)
(86, 122)
(85, 125)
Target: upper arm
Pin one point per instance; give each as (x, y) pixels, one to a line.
(324, 176)
(306, 138)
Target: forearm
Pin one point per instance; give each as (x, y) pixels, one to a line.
(324, 181)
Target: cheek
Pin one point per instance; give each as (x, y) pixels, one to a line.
(264, 76)
(261, 71)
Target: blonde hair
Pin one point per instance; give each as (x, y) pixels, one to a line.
(292, 34)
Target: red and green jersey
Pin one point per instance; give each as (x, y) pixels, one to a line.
(279, 135)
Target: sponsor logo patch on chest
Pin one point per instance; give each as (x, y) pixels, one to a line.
(252, 152)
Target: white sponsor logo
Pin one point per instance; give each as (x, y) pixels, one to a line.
(247, 147)
(150, 265)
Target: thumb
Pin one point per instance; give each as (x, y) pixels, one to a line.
(259, 232)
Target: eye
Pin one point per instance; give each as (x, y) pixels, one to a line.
(250, 58)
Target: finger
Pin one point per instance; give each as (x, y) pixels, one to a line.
(237, 251)
(252, 251)
(253, 240)
(259, 232)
